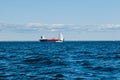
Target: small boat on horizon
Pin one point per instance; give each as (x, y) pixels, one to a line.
(59, 39)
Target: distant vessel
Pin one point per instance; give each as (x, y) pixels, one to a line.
(60, 39)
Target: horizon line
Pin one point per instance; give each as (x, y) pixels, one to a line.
(39, 41)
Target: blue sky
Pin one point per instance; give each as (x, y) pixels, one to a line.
(76, 19)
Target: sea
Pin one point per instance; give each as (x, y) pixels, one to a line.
(69, 60)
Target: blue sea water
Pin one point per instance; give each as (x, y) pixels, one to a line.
(75, 60)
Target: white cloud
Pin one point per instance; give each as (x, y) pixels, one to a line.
(57, 27)
(109, 27)
(53, 30)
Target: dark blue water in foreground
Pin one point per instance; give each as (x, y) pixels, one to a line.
(60, 61)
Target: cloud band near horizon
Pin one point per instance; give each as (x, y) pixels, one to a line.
(57, 27)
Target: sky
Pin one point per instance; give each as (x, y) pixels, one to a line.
(27, 20)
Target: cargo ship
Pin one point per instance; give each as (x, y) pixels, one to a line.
(59, 39)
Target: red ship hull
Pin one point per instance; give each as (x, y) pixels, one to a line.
(50, 40)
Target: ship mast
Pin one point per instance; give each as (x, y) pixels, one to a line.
(61, 37)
